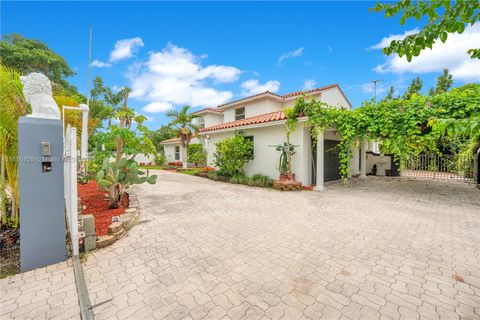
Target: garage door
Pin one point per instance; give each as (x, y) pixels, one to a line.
(332, 162)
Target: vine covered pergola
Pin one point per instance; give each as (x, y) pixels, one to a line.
(403, 126)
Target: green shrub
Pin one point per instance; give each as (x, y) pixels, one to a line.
(260, 180)
(160, 159)
(197, 155)
(240, 179)
(232, 155)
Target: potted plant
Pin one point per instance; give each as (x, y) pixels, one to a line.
(284, 165)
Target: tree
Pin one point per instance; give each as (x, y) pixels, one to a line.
(444, 18)
(98, 108)
(444, 82)
(163, 133)
(414, 87)
(30, 55)
(390, 93)
(183, 121)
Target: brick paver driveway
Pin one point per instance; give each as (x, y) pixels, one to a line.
(382, 248)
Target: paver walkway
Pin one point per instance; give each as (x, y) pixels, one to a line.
(382, 248)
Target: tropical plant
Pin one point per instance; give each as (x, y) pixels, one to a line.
(232, 154)
(115, 178)
(185, 128)
(197, 154)
(443, 18)
(287, 151)
(12, 106)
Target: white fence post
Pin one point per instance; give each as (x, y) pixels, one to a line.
(71, 185)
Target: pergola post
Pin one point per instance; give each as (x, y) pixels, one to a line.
(363, 157)
(320, 162)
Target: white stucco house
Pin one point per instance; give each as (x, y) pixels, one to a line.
(261, 118)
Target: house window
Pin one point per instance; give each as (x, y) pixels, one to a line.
(201, 122)
(240, 113)
(253, 146)
(177, 153)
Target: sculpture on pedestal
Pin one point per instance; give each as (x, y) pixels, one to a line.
(37, 90)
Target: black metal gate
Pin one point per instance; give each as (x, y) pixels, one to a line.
(439, 167)
(331, 161)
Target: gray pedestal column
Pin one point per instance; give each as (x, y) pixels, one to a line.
(42, 208)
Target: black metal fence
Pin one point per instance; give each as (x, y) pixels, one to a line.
(439, 167)
(9, 251)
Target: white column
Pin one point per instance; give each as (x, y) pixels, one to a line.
(355, 163)
(320, 165)
(363, 156)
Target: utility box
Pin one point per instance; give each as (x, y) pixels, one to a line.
(42, 207)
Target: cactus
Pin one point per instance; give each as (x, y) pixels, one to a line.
(287, 150)
(116, 178)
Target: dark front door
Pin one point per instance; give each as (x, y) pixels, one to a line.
(331, 161)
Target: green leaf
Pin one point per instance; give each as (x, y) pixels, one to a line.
(104, 183)
(443, 36)
(100, 175)
(152, 179)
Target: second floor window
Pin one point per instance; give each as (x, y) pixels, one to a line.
(201, 122)
(240, 113)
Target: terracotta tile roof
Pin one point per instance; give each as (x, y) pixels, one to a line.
(263, 118)
(285, 96)
(209, 109)
(171, 140)
(249, 97)
(298, 93)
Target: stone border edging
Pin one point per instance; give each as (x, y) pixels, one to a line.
(119, 228)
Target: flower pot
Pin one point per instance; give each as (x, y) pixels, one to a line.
(287, 177)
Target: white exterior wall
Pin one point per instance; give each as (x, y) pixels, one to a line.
(141, 158)
(253, 108)
(266, 158)
(212, 119)
(169, 151)
(383, 163)
(334, 97)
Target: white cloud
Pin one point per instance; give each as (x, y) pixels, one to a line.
(251, 87)
(289, 55)
(125, 48)
(309, 84)
(100, 64)
(386, 41)
(175, 76)
(451, 55)
(155, 107)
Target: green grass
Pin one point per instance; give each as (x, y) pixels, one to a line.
(191, 171)
(152, 167)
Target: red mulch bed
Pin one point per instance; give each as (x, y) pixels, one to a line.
(96, 205)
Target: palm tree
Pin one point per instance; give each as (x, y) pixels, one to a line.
(12, 106)
(183, 122)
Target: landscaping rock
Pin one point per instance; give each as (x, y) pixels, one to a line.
(287, 185)
(104, 241)
(115, 227)
(130, 210)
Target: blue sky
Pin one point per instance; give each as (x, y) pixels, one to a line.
(204, 54)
